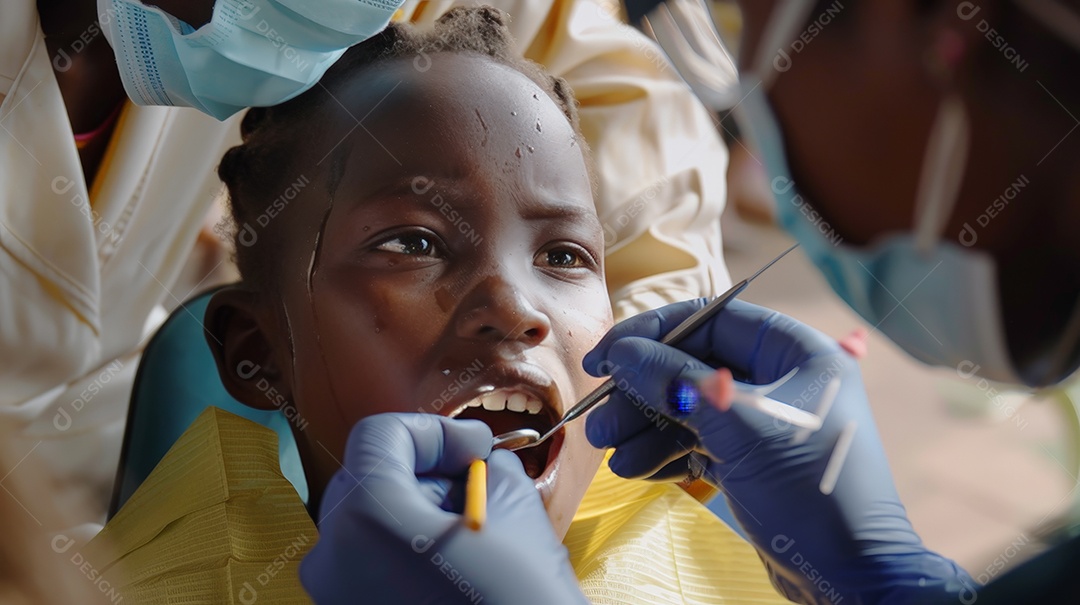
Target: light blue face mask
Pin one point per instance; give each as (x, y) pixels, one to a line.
(935, 299)
(253, 53)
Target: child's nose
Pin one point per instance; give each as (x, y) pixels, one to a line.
(498, 311)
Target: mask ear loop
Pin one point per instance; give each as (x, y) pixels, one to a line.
(942, 172)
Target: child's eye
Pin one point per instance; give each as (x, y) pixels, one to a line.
(565, 257)
(413, 244)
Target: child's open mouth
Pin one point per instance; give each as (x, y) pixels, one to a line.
(509, 409)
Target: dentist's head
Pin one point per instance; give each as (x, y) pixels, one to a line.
(924, 153)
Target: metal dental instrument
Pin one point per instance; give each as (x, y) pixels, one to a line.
(523, 438)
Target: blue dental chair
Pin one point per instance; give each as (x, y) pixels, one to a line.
(177, 379)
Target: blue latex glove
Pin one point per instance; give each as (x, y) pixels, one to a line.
(385, 537)
(853, 543)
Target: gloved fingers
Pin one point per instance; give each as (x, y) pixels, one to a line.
(642, 369)
(384, 523)
(675, 470)
(746, 433)
(761, 345)
(651, 324)
(509, 488)
(379, 485)
(418, 444)
(382, 502)
(515, 511)
(620, 418)
(756, 343)
(649, 383)
(645, 370)
(686, 467)
(516, 556)
(448, 494)
(647, 453)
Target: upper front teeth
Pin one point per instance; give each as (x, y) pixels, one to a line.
(517, 402)
(497, 401)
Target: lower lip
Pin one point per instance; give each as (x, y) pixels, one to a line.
(546, 481)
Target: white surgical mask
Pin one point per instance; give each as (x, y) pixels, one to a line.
(253, 53)
(937, 300)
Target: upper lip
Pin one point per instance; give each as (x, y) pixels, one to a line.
(523, 377)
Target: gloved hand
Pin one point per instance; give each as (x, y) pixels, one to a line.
(384, 536)
(823, 536)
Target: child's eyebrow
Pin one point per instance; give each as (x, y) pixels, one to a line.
(556, 210)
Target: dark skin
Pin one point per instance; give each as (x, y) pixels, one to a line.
(399, 293)
(85, 66)
(856, 108)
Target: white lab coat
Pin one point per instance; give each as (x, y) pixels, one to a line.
(83, 273)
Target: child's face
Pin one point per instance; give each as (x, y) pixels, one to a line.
(461, 253)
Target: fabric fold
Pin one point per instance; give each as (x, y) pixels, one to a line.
(215, 521)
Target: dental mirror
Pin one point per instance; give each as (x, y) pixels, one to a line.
(523, 438)
(515, 440)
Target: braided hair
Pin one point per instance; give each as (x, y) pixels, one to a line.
(253, 171)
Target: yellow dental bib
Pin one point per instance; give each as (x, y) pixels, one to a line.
(216, 522)
(652, 543)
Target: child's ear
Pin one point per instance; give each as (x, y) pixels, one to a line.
(237, 330)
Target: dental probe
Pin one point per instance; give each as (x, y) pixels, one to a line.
(523, 438)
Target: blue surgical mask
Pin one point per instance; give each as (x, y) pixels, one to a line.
(253, 53)
(937, 300)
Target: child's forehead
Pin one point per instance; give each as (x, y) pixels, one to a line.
(430, 82)
(395, 120)
(466, 128)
